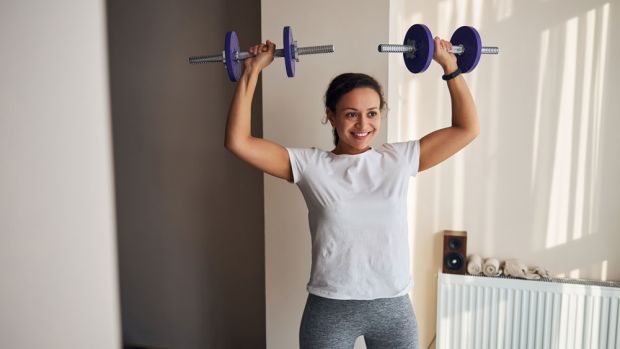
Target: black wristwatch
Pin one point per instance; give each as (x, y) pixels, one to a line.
(452, 75)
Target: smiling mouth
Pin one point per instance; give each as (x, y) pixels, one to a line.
(360, 134)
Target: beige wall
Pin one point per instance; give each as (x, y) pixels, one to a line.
(293, 110)
(58, 272)
(540, 182)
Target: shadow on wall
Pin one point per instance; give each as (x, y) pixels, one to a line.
(190, 237)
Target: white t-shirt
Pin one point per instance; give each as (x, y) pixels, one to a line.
(357, 211)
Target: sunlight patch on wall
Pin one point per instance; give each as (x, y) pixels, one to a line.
(597, 115)
(574, 274)
(413, 19)
(504, 9)
(604, 270)
(441, 111)
(542, 64)
(582, 145)
(445, 13)
(410, 119)
(557, 224)
(477, 14)
(461, 12)
(458, 197)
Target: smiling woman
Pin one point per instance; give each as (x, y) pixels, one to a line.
(357, 203)
(353, 105)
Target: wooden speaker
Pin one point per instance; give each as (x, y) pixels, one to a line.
(454, 252)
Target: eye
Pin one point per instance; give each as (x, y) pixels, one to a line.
(372, 114)
(351, 115)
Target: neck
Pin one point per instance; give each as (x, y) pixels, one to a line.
(342, 149)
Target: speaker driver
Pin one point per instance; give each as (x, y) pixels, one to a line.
(454, 244)
(454, 261)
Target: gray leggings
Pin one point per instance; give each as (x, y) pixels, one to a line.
(335, 324)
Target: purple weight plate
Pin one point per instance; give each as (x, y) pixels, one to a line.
(289, 51)
(231, 47)
(470, 39)
(424, 45)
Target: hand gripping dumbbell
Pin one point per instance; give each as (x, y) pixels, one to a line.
(232, 56)
(419, 46)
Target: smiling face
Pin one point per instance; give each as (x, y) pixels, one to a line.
(357, 119)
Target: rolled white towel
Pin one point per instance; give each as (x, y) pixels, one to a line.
(532, 276)
(491, 267)
(544, 273)
(514, 267)
(474, 265)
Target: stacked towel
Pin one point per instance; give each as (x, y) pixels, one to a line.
(516, 268)
(474, 265)
(491, 267)
(510, 267)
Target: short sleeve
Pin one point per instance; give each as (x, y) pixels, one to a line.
(299, 159)
(410, 152)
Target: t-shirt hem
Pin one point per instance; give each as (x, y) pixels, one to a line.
(343, 296)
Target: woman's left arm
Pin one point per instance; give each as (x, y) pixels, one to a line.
(439, 145)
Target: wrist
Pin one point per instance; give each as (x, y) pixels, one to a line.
(451, 75)
(449, 68)
(252, 71)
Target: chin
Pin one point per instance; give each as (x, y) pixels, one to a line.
(361, 147)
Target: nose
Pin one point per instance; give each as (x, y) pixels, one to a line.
(362, 122)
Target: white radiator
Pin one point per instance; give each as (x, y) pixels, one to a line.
(480, 312)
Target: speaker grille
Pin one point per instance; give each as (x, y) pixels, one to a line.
(454, 261)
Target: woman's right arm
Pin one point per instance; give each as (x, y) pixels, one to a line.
(267, 156)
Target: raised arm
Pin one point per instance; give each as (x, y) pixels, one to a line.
(439, 145)
(265, 155)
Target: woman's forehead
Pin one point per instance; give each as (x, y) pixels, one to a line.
(362, 98)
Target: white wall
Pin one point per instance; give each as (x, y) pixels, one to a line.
(58, 278)
(541, 181)
(292, 114)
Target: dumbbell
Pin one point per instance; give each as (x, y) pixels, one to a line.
(419, 46)
(232, 56)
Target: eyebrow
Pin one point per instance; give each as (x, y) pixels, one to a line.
(349, 108)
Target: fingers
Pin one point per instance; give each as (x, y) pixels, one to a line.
(255, 49)
(266, 47)
(441, 44)
(261, 55)
(443, 56)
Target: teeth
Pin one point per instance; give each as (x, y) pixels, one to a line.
(364, 134)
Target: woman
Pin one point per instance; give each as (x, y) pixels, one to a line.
(356, 198)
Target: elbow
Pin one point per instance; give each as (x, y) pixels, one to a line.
(230, 146)
(472, 134)
(475, 132)
(234, 145)
(469, 133)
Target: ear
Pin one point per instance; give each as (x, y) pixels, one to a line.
(330, 116)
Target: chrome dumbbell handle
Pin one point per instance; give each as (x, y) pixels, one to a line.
(458, 49)
(299, 51)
